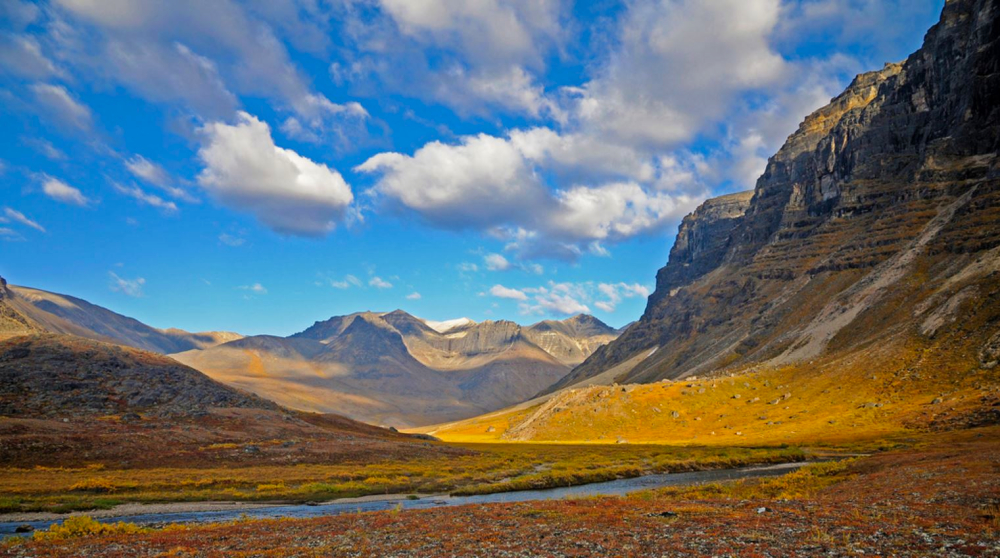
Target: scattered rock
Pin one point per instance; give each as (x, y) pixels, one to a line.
(491, 429)
(736, 396)
(24, 528)
(251, 449)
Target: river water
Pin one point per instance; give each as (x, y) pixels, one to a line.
(609, 488)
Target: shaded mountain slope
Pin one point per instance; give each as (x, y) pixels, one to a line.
(67, 400)
(58, 313)
(890, 193)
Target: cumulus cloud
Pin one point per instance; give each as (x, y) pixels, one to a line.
(481, 182)
(496, 262)
(145, 198)
(474, 57)
(59, 105)
(500, 291)
(289, 193)
(616, 211)
(557, 298)
(569, 298)
(379, 283)
(62, 192)
(493, 184)
(13, 216)
(130, 287)
(638, 96)
(413, 296)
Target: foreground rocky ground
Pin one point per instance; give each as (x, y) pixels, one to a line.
(940, 497)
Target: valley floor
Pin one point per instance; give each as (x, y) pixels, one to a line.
(940, 496)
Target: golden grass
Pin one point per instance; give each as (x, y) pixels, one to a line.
(836, 401)
(490, 468)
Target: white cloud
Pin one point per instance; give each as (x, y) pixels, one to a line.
(615, 292)
(159, 49)
(569, 298)
(14, 216)
(60, 191)
(46, 148)
(379, 283)
(480, 182)
(413, 296)
(581, 154)
(58, 104)
(21, 55)
(154, 174)
(130, 287)
(616, 211)
(487, 31)
(468, 267)
(493, 184)
(287, 192)
(145, 198)
(473, 57)
(500, 291)
(324, 115)
(348, 282)
(496, 262)
(640, 97)
(558, 298)
(255, 288)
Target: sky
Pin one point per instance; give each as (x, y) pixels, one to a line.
(257, 166)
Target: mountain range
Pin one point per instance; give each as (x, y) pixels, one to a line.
(396, 369)
(383, 368)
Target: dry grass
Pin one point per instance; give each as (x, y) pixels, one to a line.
(488, 468)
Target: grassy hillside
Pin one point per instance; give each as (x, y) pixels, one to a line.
(883, 391)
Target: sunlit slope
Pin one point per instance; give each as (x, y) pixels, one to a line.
(906, 381)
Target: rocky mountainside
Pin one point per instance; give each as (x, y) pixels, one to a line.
(48, 375)
(875, 228)
(38, 310)
(396, 369)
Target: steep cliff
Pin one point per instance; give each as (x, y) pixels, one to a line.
(872, 219)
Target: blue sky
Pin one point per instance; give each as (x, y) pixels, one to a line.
(256, 166)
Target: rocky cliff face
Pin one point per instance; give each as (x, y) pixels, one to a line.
(872, 218)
